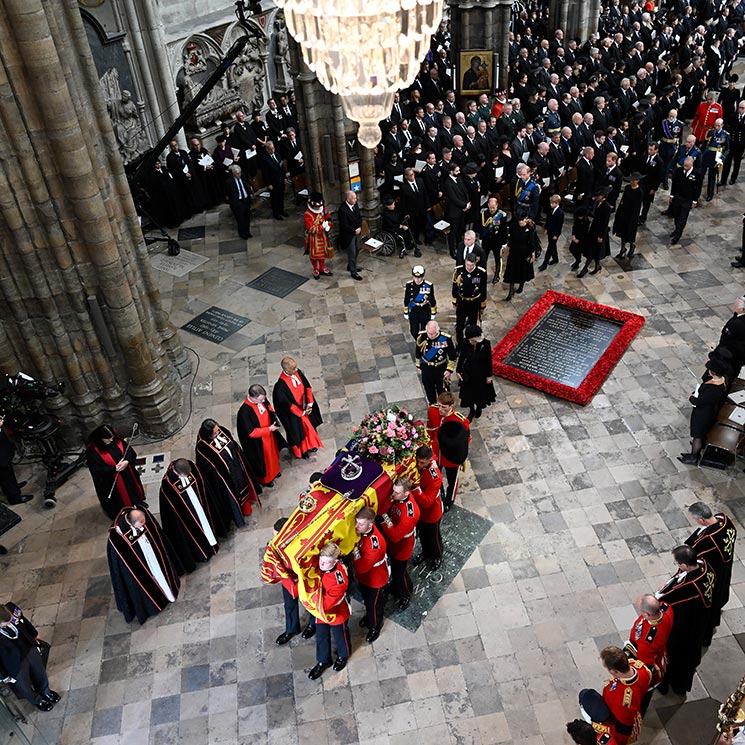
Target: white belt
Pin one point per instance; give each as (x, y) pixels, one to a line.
(408, 535)
(378, 563)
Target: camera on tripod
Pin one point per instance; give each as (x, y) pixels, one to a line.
(21, 411)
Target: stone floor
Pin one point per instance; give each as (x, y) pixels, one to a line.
(585, 504)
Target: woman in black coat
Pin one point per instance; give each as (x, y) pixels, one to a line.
(711, 396)
(597, 247)
(474, 371)
(521, 257)
(627, 215)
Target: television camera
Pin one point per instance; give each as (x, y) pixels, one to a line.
(33, 429)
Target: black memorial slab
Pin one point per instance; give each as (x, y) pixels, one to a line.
(462, 531)
(277, 282)
(564, 345)
(215, 324)
(191, 234)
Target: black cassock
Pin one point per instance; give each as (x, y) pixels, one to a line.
(475, 366)
(716, 545)
(101, 461)
(136, 590)
(192, 540)
(164, 202)
(253, 447)
(228, 481)
(690, 600)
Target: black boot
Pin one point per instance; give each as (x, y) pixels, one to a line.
(510, 294)
(519, 288)
(632, 249)
(622, 252)
(495, 278)
(597, 268)
(584, 271)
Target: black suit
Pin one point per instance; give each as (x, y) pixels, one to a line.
(238, 192)
(585, 184)
(736, 149)
(349, 220)
(289, 152)
(414, 205)
(685, 189)
(175, 163)
(733, 338)
(554, 225)
(277, 124)
(654, 173)
(244, 138)
(457, 194)
(274, 176)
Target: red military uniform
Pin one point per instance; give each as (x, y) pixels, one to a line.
(704, 118)
(370, 565)
(427, 495)
(334, 586)
(400, 534)
(648, 642)
(624, 699)
(434, 420)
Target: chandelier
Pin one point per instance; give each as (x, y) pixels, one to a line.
(364, 50)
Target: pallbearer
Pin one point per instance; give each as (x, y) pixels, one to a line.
(141, 563)
(185, 514)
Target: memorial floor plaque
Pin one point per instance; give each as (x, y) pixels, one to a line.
(565, 346)
(180, 265)
(462, 531)
(215, 324)
(277, 282)
(193, 233)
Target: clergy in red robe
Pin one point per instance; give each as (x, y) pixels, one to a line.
(297, 409)
(111, 462)
(260, 436)
(227, 475)
(185, 514)
(143, 573)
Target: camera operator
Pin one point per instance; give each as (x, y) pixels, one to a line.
(8, 482)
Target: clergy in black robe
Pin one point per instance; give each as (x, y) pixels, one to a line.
(259, 434)
(474, 371)
(179, 166)
(111, 462)
(689, 593)
(297, 409)
(185, 514)
(226, 473)
(714, 542)
(144, 570)
(163, 204)
(21, 659)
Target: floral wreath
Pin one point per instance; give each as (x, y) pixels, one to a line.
(389, 435)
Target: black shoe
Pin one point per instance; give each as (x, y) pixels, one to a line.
(446, 506)
(269, 485)
(53, 697)
(542, 268)
(519, 289)
(417, 560)
(509, 297)
(357, 277)
(596, 269)
(309, 631)
(340, 664)
(738, 264)
(666, 213)
(317, 671)
(44, 705)
(495, 279)
(583, 272)
(327, 273)
(402, 253)
(554, 261)
(283, 639)
(249, 235)
(278, 217)
(22, 499)
(373, 634)
(688, 458)
(417, 252)
(285, 214)
(622, 252)
(574, 266)
(21, 484)
(435, 564)
(641, 221)
(732, 182)
(363, 623)
(404, 604)
(674, 239)
(632, 251)
(312, 450)
(316, 276)
(709, 197)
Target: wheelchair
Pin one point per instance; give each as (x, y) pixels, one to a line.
(391, 243)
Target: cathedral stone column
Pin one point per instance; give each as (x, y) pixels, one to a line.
(80, 301)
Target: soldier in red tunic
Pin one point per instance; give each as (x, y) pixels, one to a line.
(334, 586)
(317, 227)
(399, 529)
(259, 435)
(714, 541)
(456, 450)
(689, 591)
(622, 694)
(648, 639)
(427, 494)
(706, 114)
(297, 409)
(372, 571)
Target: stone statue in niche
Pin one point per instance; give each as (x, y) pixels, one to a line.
(281, 55)
(220, 102)
(129, 131)
(248, 76)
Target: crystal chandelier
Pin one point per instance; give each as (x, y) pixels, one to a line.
(364, 50)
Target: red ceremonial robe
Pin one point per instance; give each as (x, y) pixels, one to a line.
(128, 491)
(291, 394)
(260, 445)
(136, 591)
(228, 479)
(180, 521)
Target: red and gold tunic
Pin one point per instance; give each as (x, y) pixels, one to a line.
(703, 121)
(400, 535)
(370, 562)
(648, 642)
(624, 699)
(434, 422)
(316, 238)
(427, 494)
(335, 584)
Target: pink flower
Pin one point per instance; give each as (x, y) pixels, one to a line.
(407, 443)
(373, 449)
(378, 428)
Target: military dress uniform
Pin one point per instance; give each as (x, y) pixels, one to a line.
(672, 132)
(434, 421)
(624, 699)
(435, 357)
(715, 153)
(334, 586)
(420, 306)
(648, 643)
(469, 298)
(372, 571)
(737, 142)
(399, 529)
(427, 494)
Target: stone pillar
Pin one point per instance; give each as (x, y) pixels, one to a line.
(575, 19)
(71, 249)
